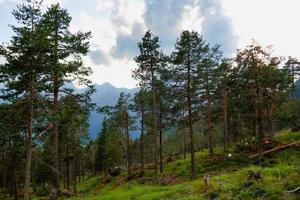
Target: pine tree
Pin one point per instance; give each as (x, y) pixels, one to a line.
(22, 73)
(223, 74)
(293, 68)
(186, 58)
(257, 69)
(207, 79)
(148, 63)
(124, 119)
(139, 106)
(62, 44)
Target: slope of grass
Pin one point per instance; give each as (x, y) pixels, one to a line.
(287, 136)
(229, 178)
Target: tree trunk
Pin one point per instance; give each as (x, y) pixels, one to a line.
(142, 134)
(67, 165)
(160, 143)
(29, 143)
(183, 139)
(190, 120)
(79, 169)
(293, 84)
(154, 121)
(13, 172)
(56, 184)
(259, 121)
(128, 156)
(225, 113)
(55, 134)
(210, 142)
(230, 131)
(74, 169)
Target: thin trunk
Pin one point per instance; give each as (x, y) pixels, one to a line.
(29, 145)
(128, 156)
(79, 169)
(67, 165)
(55, 134)
(259, 122)
(64, 179)
(13, 172)
(4, 186)
(56, 183)
(30, 120)
(230, 132)
(273, 121)
(225, 112)
(74, 182)
(210, 142)
(142, 134)
(190, 118)
(183, 151)
(293, 83)
(182, 137)
(154, 120)
(160, 143)
(209, 125)
(184, 140)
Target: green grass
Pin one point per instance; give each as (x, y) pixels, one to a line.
(226, 185)
(287, 136)
(229, 179)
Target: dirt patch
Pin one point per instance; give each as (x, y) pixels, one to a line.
(162, 179)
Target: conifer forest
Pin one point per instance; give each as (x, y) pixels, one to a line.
(199, 122)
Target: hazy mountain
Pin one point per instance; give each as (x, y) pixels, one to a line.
(106, 94)
(298, 89)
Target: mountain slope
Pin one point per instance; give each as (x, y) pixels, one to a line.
(106, 94)
(228, 177)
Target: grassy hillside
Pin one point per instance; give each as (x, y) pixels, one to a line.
(228, 178)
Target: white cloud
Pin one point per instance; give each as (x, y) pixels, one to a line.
(103, 31)
(117, 18)
(118, 72)
(190, 18)
(117, 25)
(269, 22)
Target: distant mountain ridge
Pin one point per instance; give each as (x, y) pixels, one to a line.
(106, 94)
(297, 89)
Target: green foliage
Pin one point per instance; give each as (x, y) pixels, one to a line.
(109, 147)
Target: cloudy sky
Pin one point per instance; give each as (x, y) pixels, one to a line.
(117, 26)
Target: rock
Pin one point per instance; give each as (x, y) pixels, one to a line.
(108, 178)
(114, 171)
(254, 175)
(54, 193)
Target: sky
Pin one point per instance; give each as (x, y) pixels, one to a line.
(118, 25)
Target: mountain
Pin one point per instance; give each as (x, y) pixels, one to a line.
(106, 94)
(297, 89)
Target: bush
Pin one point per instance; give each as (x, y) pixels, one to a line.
(246, 145)
(248, 191)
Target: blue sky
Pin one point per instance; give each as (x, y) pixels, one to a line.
(117, 26)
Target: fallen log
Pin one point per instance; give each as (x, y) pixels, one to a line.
(293, 191)
(279, 148)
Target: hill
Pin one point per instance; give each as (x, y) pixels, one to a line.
(279, 177)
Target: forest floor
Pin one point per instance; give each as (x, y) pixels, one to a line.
(229, 177)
